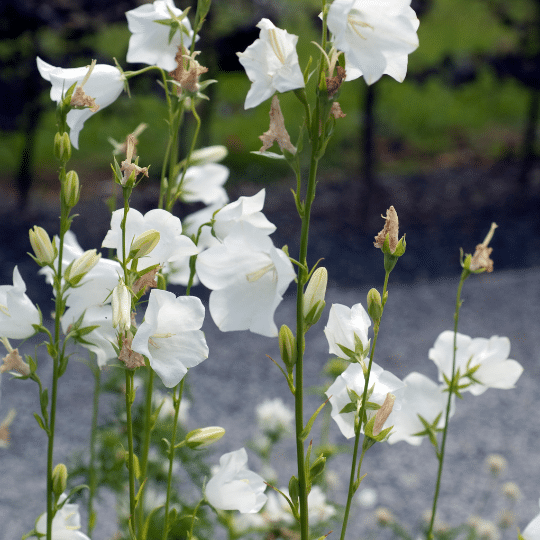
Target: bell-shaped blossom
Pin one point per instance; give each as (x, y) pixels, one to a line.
(17, 312)
(105, 84)
(422, 397)
(244, 210)
(343, 324)
(382, 382)
(248, 277)
(376, 37)
(488, 356)
(532, 530)
(65, 524)
(204, 183)
(172, 244)
(234, 487)
(149, 42)
(271, 64)
(170, 336)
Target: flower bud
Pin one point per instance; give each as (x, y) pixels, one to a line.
(314, 296)
(374, 305)
(59, 479)
(210, 154)
(203, 437)
(70, 189)
(317, 467)
(81, 266)
(121, 307)
(62, 147)
(287, 346)
(42, 246)
(144, 244)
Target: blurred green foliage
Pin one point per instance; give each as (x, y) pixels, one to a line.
(425, 119)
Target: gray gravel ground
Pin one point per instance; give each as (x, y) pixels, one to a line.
(238, 376)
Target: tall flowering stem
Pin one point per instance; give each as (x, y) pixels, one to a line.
(354, 479)
(452, 388)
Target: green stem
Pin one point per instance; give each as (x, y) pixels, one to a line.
(177, 401)
(129, 402)
(440, 456)
(92, 478)
(354, 472)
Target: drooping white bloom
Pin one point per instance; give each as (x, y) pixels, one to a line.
(423, 397)
(104, 85)
(149, 42)
(343, 324)
(204, 183)
(375, 35)
(274, 416)
(271, 64)
(383, 382)
(170, 336)
(248, 277)
(17, 312)
(495, 370)
(65, 524)
(532, 530)
(172, 244)
(244, 210)
(234, 486)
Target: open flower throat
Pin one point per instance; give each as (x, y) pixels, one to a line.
(354, 20)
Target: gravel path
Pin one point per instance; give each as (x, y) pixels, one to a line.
(238, 376)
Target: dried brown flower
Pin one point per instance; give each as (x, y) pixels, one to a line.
(336, 111)
(481, 259)
(333, 83)
(277, 132)
(14, 362)
(391, 227)
(188, 70)
(131, 358)
(383, 413)
(146, 281)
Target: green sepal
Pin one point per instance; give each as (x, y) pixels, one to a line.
(294, 490)
(350, 407)
(293, 508)
(39, 420)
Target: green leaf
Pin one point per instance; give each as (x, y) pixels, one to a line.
(40, 422)
(350, 407)
(309, 425)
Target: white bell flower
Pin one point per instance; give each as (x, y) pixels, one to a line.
(382, 382)
(490, 356)
(422, 397)
(149, 42)
(17, 312)
(105, 84)
(234, 487)
(65, 524)
(271, 64)
(248, 277)
(243, 210)
(375, 35)
(343, 324)
(172, 244)
(204, 183)
(532, 530)
(170, 336)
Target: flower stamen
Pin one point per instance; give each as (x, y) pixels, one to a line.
(276, 47)
(258, 274)
(355, 23)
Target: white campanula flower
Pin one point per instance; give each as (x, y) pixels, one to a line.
(273, 416)
(244, 210)
(172, 244)
(532, 530)
(344, 323)
(104, 85)
(423, 397)
(149, 42)
(65, 524)
(234, 486)
(248, 277)
(271, 64)
(17, 312)
(382, 382)
(204, 183)
(170, 336)
(375, 35)
(490, 356)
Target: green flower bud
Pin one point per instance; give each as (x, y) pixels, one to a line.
(314, 296)
(287, 346)
(80, 267)
(374, 305)
(203, 437)
(43, 247)
(144, 244)
(317, 467)
(62, 147)
(71, 189)
(59, 479)
(121, 307)
(294, 490)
